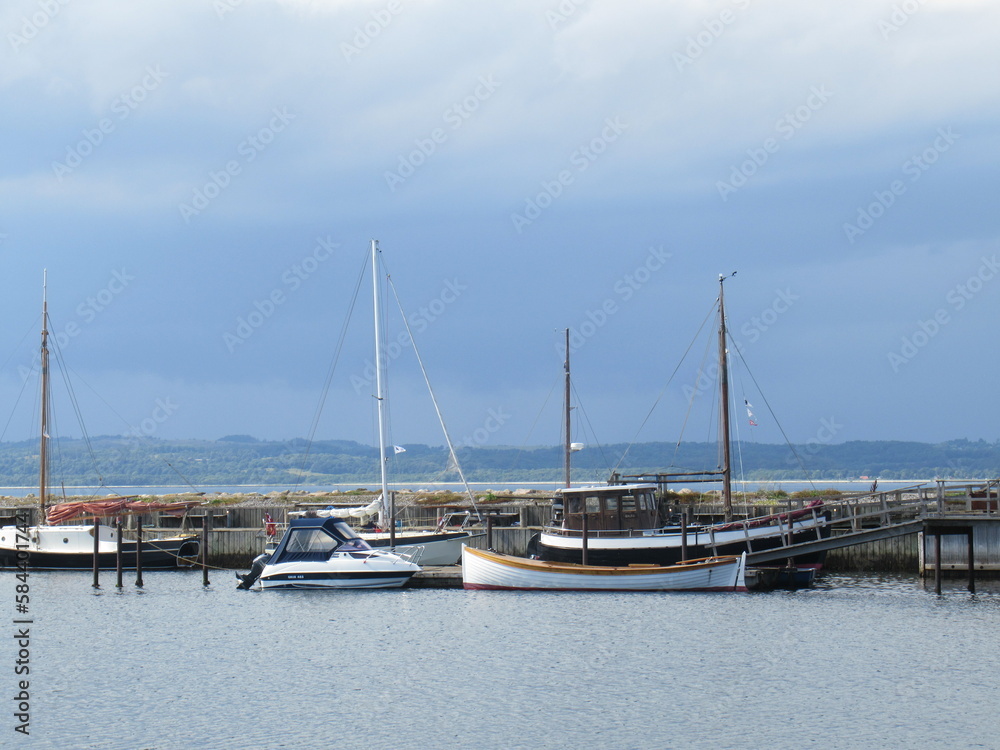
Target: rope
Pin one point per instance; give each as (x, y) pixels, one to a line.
(437, 409)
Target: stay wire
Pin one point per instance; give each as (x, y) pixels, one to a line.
(331, 370)
(423, 370)
(776, 422)
(662, 391)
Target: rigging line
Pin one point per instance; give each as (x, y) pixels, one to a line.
(17, 348)
(10, 417)
(702, 369)
(444, 429)
(775, 418)
(664, 389)
(524, 446)
(325, 391)
(75, 404)
(586, 417)
(134, 432)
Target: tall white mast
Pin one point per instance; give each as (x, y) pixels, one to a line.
(384, 515)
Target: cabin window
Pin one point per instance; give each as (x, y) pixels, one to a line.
(611, 504)
(593, 504)
(573, 505)
(310, 540)
(628, 503)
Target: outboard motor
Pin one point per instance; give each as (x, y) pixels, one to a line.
(255, 570)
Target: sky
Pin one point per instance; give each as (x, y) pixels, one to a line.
(201, 179)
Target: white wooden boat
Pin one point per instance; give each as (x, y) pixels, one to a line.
(483, 569)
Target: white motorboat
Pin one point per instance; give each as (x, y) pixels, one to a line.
(325, 553)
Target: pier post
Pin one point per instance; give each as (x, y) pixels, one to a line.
(489, 533)
(972, 564)
(937, 563)
(206, 523)
(583, 538)
(684, 535)
(138, 552)
(97, 542)
(118, 553)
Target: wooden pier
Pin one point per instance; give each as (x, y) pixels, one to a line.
(905, 530)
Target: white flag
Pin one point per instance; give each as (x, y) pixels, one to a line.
(399, 449)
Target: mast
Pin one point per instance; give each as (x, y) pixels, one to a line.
(727, 497)
(568, 449)
(385, 512)
(44, 439)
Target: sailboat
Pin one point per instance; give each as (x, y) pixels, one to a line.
(430, 547)
(619, 524)
(53, 545)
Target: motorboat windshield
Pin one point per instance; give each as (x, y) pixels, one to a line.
(316, 539)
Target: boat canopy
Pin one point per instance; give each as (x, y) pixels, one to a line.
(315, 539)
(331, 511)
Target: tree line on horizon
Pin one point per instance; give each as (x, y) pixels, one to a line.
(244, 460)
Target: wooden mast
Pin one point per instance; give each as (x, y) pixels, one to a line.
(727, 497)
(43, 440)
(568, 449)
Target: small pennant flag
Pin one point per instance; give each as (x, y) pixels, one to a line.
(399, 449)
(750, 413)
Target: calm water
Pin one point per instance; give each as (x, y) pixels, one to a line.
(858, 661)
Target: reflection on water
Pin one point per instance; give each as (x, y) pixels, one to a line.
(857, 661)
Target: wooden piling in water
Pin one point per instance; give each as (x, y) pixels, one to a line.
(138, 553)
(684, 535)
(206, 524)
(118, 553)
(97, 542)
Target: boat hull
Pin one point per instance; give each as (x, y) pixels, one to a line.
(43, 548)
(311, 576)
(484, 570)
(666, 548)
(380, 571)
(437, 548)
